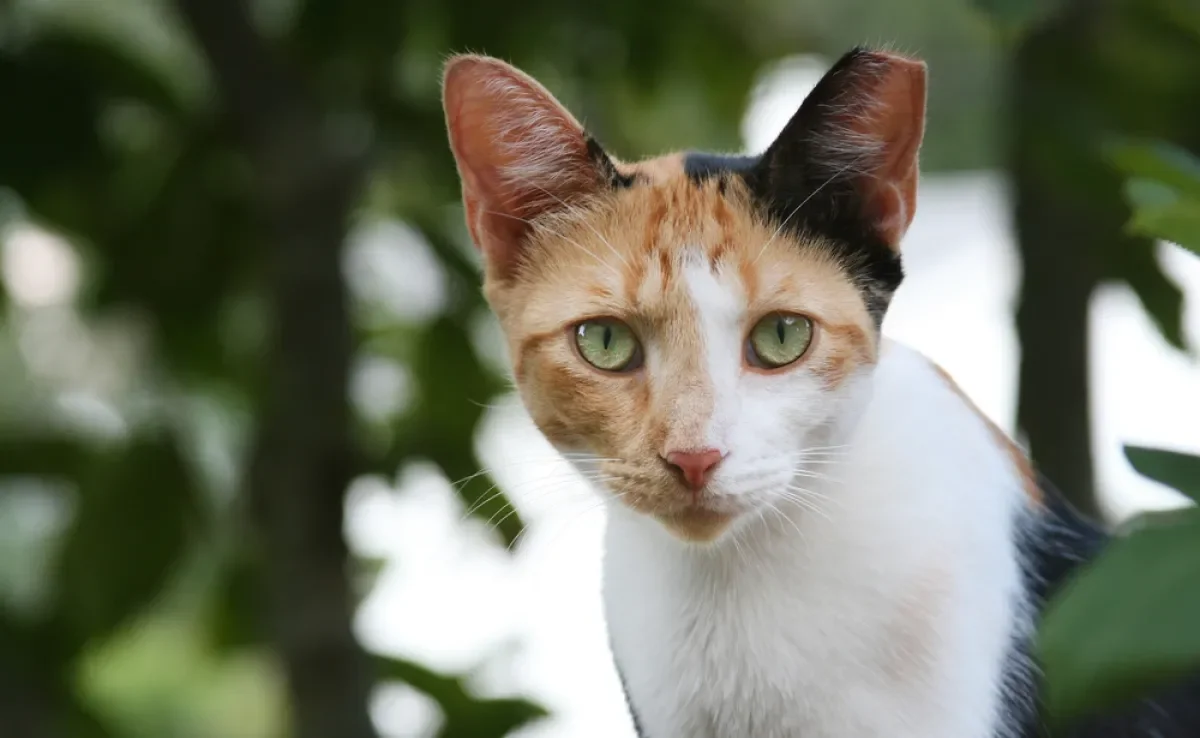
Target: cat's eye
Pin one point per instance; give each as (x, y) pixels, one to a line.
(778, 340)
(608, 344)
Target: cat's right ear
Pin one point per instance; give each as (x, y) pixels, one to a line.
(852, 147)
(520, 154)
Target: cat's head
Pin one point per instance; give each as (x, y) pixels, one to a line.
(693, 324)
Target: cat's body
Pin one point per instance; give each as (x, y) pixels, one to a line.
(812, 533)
(885, 615)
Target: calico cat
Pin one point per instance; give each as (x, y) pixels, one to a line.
(812, 531)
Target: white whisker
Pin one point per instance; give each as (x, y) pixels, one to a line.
(804, 202)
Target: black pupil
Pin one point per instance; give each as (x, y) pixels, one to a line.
(779, 326)
(608, 334)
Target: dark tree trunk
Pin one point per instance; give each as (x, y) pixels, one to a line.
(1053, 406)
(1059, 238)
(26, 712)
(302, 460)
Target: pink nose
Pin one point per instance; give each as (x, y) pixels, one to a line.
(695, 465)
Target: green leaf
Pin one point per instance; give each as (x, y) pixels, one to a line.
(467, 716)
(1142, 192)
(1160, 211)
(130, 529)
(1163, 190)
(1128, 624)
(1158, 293)
(1176, 470)
(1179, 223)
(1170, 166)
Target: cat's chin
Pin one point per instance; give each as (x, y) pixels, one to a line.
(697, 524)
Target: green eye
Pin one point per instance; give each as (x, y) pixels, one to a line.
(778, 340)
(608, 344)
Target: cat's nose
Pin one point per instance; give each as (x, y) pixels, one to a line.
(696, 466)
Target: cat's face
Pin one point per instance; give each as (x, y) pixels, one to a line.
(693, 324)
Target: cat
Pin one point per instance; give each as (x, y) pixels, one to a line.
(811, 531)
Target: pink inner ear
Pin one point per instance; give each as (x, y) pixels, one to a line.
(895, 117)
(519, 152)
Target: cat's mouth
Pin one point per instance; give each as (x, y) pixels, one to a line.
(698, 523)
(692, 515)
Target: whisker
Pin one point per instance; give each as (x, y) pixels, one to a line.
(539, 487)
(810, 474)
(779, 514)
(564, 524)
(553, 459)
(585, 222)
(495, 491)
(565, 237)
(810, 493)
(804, 202)
(803, 498)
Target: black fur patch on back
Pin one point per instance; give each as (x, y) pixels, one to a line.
(1060, 543)
(827, 209)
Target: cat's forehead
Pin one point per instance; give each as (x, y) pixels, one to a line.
(634, 245)
(665, 215)
(630, 255)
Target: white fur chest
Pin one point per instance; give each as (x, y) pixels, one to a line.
(890, 618)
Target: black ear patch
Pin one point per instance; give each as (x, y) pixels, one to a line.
(608, 171)
(808, 182)
(811, 211)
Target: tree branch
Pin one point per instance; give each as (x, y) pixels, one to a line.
(302, 460)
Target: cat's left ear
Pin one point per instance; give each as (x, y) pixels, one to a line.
(852, 146)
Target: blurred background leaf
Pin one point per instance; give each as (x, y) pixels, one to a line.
(1100, 652)
(109, 570)
(1176, 470)
(466, 716)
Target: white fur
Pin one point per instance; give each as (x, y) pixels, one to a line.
(879, 602)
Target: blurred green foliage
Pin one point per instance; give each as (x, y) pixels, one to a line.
(1131, 622)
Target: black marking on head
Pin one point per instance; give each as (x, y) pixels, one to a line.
(808, 180)
(605, 165)
(826, 209)
(699, 165)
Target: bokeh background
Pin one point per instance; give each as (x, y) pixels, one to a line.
(261, 470)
